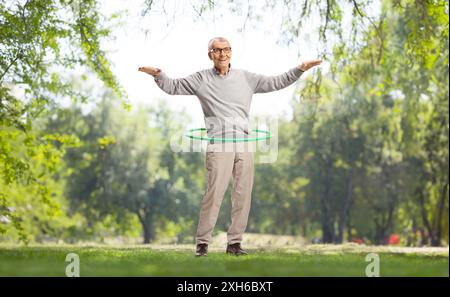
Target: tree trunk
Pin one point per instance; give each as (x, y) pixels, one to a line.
(349, 227)
(327, 221)
(436, 239)
(304, 229)
(425, 221)
(379, 236)
(149, 233)
(424, 237)
(148, 227)
(343, 217)
(327, 216)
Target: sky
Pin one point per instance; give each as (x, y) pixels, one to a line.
(178, 45)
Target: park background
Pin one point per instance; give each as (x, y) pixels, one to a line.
(85, 138)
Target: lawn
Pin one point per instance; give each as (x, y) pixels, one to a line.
(173, 260)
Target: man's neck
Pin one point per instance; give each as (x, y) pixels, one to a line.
(222, 71)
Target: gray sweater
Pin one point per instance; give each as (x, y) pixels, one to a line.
(226, 100)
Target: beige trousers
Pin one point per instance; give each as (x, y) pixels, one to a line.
(221, 164)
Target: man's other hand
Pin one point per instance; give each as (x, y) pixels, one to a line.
(150, 70)
(309, 64)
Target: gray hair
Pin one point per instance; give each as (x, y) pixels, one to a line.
(211, 42)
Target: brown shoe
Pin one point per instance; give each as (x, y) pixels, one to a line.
(235, 249)
(202, 250)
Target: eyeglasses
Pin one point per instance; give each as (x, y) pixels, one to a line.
(217, 51)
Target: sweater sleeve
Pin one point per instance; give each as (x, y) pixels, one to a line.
(179, 86)
(263, 84)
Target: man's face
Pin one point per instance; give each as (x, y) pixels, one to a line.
(219, 55)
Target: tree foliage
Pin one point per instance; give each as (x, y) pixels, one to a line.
(41, 41)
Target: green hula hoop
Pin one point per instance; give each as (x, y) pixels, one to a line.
(267, 136)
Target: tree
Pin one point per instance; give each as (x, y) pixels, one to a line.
(40, 42)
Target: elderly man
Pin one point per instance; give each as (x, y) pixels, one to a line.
(225, 93)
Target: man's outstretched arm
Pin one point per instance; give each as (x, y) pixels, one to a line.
(179, 86)
(264, 84)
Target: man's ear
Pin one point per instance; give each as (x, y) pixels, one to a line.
(210, 55)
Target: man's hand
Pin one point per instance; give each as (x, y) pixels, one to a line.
(309, 64)
(150, 70)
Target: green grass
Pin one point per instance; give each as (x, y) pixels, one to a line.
(145, 261)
